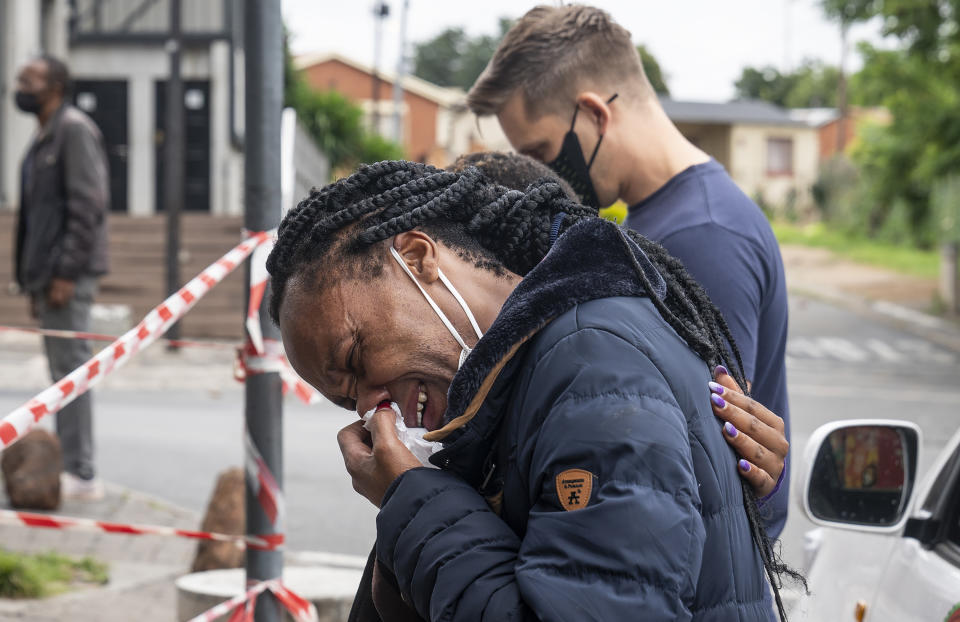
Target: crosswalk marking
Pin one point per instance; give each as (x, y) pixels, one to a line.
(869, 350)
(843, 349)
(885, 351)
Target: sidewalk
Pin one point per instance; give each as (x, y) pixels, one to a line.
(892, 297)
(23, 367)
(141, 568)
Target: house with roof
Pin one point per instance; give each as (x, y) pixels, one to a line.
(436, 124)
(837, 135)
(771, 155)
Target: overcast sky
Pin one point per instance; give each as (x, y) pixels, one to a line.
(701, 44)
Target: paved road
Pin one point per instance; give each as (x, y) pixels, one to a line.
(173, 444)
(841, 366)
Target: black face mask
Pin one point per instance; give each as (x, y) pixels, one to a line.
(27, 102)
(571, 165)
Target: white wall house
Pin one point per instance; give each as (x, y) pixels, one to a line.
(769, 154)
(116, 53)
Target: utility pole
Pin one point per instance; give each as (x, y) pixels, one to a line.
(398, 81)
(380, 12)
(263, 409)
(173, 155)
(842, 86)
(787, 35)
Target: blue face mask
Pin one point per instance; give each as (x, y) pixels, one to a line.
(464, 348)
(571, 165)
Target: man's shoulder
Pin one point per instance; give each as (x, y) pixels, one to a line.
(712, 213)
(74, 122)
(703, 194)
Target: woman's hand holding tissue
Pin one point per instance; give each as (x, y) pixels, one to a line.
(375, 457)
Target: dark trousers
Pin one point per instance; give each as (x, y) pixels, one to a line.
(75, 421)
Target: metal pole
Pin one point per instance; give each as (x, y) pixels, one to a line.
(263, 409)
(173, 155)
(3, 97)
(398, 82)
(842, 87)
(380, 12)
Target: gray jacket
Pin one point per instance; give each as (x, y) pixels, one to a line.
(65, 196)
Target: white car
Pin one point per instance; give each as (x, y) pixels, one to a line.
(889, 550)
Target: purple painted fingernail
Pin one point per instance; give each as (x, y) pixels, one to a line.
(744, 466)
(716, 388)
(720, 370)
(730, 430)
(717, 400)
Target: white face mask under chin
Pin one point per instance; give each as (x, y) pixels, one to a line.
(464, 348)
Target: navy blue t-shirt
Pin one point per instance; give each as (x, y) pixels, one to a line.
(725, 241)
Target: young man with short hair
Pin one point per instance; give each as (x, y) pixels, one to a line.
(568, 87)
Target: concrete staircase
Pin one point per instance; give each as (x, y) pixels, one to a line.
(137, 271)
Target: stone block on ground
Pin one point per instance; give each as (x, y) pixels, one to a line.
(225, 514)
(31, 471)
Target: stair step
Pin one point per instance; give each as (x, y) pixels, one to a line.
(137, 277)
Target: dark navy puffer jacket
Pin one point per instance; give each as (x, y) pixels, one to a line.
(578, 375)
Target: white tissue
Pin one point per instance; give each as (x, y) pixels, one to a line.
(412, 438)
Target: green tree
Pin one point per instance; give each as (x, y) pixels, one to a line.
(919, 84)
(437, 60)
(813, 84)
(453, 58)
(766, 83)
(335, 123)
(652, 68)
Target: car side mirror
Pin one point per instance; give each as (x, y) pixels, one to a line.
(861, 473)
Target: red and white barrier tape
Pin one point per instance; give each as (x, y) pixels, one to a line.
(263, 484)
(304, 392)
(272, 359)
(153, 325)
(258, 287)
(49, 521)
(76, 334)
(226, 607)
(301, 609)
(247, 360)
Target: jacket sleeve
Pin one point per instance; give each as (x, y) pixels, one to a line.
(86, 182)
(633, 553)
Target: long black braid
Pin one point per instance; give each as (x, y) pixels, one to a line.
(498, 229)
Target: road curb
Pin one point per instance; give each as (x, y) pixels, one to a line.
(936, 330)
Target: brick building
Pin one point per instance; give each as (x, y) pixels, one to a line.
(436, 124)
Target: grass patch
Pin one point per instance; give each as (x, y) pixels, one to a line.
(904, 259)
(24, 575)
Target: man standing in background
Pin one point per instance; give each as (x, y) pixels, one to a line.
(568, 88)
(61, 245)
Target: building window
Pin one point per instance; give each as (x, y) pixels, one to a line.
(779, 156)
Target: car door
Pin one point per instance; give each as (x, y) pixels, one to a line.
(921, 580)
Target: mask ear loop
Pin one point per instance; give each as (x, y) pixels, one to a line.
(462, 302)
(599, 140)
(440, 314)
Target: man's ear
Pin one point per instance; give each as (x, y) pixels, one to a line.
(420, 253)
(595, 107)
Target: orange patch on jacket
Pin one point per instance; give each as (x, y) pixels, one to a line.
(573, 488)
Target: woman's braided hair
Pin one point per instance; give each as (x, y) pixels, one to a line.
(497, 228)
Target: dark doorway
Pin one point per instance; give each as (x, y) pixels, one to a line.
(106, 103)
(196, 106)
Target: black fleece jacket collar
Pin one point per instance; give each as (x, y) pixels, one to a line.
(591, 260)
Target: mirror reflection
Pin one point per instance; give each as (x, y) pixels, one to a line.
(861, 476)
